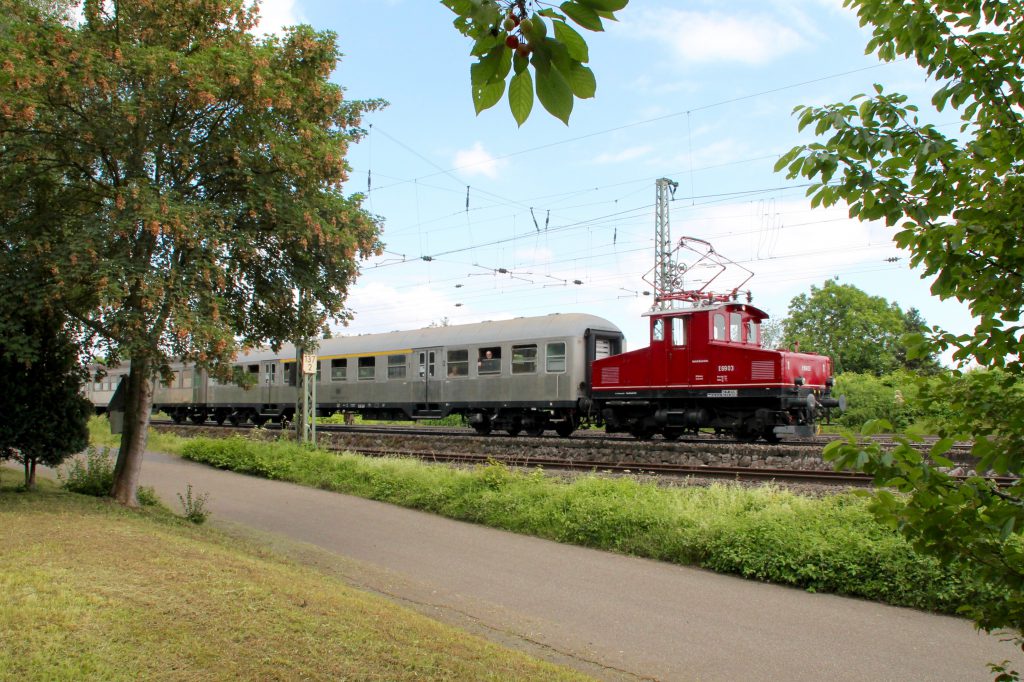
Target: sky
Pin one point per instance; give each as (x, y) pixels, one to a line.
(484, 220)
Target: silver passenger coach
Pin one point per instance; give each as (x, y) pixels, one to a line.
(525, 374)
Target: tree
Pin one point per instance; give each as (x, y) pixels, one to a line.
(861, 333)
(958, 204)
(510, 36)
(45, 415)
(178, 183)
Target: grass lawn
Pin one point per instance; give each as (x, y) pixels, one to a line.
(94, 591)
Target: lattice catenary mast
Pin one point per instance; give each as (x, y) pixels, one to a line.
(663, 249)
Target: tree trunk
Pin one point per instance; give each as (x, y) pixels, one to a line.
(138, 403)
(31, 482)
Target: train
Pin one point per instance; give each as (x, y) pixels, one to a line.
(703, 369)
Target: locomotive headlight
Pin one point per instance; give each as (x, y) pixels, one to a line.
(799, 381)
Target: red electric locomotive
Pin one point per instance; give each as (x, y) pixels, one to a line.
(705, 368)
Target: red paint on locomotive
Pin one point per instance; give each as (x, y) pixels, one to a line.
(705, 368)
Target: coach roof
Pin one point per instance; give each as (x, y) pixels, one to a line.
(520, 329)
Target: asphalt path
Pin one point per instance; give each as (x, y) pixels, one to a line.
(612, 616)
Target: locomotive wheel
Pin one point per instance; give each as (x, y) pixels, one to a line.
(770, 436)
(535, 431)
(672, 434)
(564, 428)
(513, 432)
(641, 432)
(483, 429)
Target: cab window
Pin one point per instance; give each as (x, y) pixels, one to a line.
(658, 330)
(735, 327)
(719, 327)
(678, 331)
(753, 329)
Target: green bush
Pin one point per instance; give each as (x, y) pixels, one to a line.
(146, 496)
(91, 474)
(194, 506)
(828, 545)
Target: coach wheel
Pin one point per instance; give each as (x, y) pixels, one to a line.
(745, 435)
(565, 428)
(672, 434)
(770, 436)
(514, 431)
(483, 428)
(258, 419)
(177, 417)
(235, 418)
(198, 418)
(535, 431)
(220, 418)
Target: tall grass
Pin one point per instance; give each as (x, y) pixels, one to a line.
(830, 544)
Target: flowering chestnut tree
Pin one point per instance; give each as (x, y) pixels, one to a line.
(174, 181)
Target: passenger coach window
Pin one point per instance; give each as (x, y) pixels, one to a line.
(736, 327)
(458, 363)
(719, 333)
(678, 331)
(339, 369)
(524, 359)
(396, 367)
(367, 368)
(555, 358)
(489, 361)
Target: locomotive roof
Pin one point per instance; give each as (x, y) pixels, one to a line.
(478, 333)
(729, 305)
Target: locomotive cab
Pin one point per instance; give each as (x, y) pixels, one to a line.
(705, 368)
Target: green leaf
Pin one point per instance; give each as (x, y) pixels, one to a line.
(486, 93)
(553, 90)
(582, 15)
(520, 96)
(581, 80)
(1007, 528)
(605, 5)
(572, 40)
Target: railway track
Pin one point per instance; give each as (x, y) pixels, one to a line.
(605, 454)
(654, 468)
(960, 452)
(737, 473)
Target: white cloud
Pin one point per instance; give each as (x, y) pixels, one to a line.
(700, 37)
(275, 15)
(476, 161)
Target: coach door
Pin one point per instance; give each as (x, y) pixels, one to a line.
(431, 373)
(268, 379)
